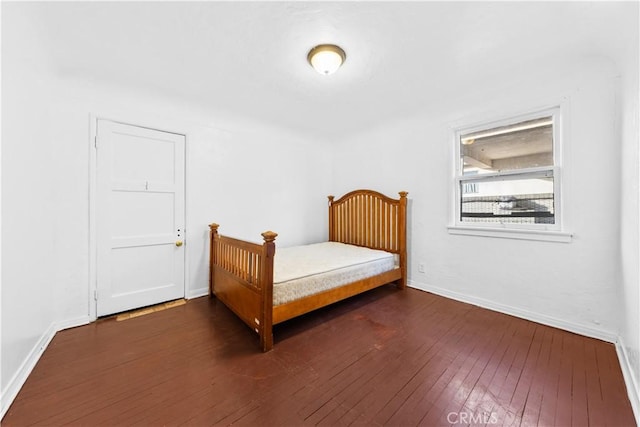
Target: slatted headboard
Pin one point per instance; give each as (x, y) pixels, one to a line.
(371, 219)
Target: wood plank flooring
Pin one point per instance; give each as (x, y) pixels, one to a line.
(387, 357)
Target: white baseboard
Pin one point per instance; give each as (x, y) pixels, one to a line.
(633, 387)
(73, 323)
(518, 312)
(197, 293)
(20, 377)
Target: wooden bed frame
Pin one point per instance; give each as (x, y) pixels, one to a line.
(241, 273)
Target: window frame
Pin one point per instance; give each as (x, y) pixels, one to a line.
(551, 232)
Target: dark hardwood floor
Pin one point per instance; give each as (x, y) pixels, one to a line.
(383, 358)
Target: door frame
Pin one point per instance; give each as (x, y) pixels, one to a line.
(93, 196)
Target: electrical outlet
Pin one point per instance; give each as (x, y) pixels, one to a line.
(421, 268)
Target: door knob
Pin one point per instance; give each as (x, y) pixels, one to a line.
(179, 243)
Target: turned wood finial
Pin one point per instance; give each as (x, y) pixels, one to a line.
(214, 226)
(403, 194)
(269, 236)
(330, 199)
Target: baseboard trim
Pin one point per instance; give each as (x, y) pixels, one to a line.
(633, 388)
(518, 312)
(73, 323)
(197, 293)
(20, 377)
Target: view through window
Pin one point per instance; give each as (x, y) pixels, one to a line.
(506, 174)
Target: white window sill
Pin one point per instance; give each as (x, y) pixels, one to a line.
(510, 233)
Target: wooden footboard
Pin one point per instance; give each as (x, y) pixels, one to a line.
(241, 276)
(241, 273)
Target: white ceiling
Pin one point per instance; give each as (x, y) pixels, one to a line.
(249, 58)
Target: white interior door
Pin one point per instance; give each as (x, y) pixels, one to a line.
(140, 212)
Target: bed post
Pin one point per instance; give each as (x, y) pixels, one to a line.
(403, 239)
(213, 234)
(269, 250)
(331, 223)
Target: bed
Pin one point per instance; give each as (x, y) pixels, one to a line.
(367, 236)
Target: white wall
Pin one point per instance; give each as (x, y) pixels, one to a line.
(28, 234)
(573, 284)
(629, 91)
(28, 227)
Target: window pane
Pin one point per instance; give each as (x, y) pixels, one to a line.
(519, 199)
(526, 144)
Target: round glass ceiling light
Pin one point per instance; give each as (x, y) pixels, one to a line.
(326, 58)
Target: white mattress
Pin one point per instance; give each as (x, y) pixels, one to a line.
(301, 271)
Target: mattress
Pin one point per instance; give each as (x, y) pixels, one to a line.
(302, 271)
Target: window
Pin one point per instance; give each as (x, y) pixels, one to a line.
(507, 174)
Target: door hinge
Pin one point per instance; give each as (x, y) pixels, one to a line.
(95, 295)
(95, 142)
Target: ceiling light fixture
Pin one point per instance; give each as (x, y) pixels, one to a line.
(326, 58)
